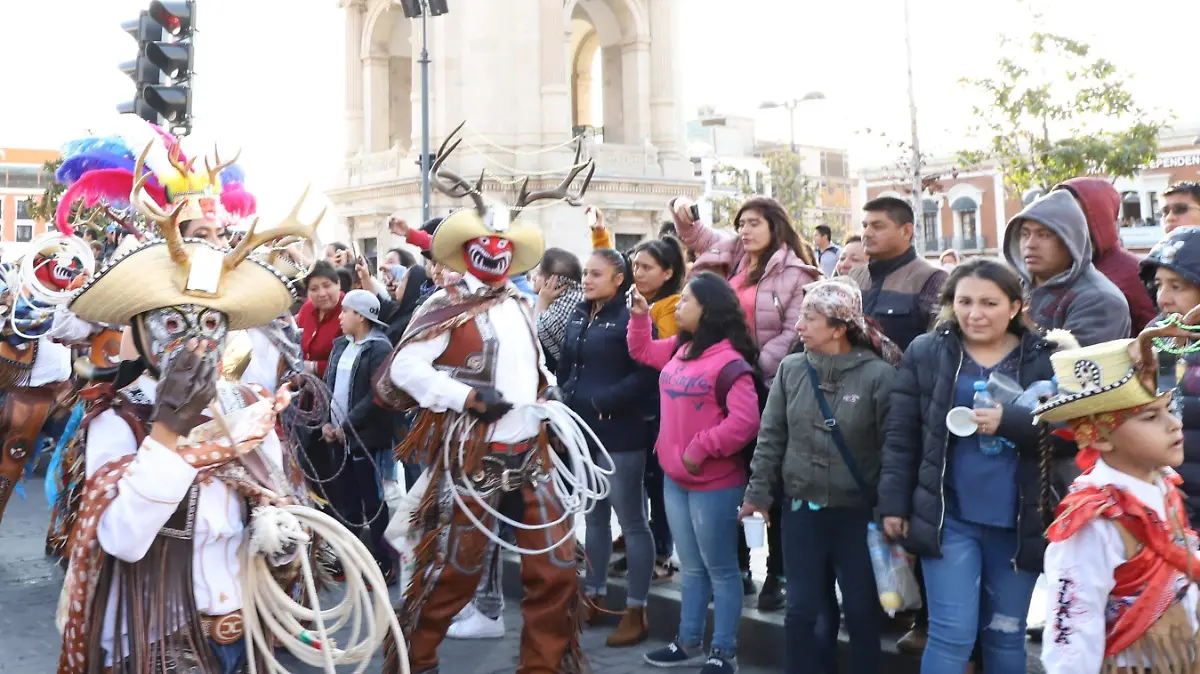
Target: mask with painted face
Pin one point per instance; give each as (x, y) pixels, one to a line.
(488, 258)
(160, 332)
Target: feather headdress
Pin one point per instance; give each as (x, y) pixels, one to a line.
(100, 170)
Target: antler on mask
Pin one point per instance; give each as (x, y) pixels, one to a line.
(459, 188)
(168, 222)
(215, 173)
(562, 191)
(290, 229)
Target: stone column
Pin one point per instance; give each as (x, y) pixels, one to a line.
(378, 115)
(665, 121)
(635, 75)
(555, 86)
(354, 93)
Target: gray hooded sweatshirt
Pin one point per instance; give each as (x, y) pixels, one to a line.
(1080, 299)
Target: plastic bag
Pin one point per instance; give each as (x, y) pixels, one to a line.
(894, 576)
(400, 534)
(1033, 395)
(1004, 389)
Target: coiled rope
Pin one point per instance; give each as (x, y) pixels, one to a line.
(577, 480)
(269, 612)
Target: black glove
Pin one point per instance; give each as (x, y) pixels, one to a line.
(553, 393)
(493, 402)
(187, 386)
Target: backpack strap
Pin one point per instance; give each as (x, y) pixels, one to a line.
(725, 378)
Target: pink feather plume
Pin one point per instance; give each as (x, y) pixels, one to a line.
(109, 185)
(237, 201)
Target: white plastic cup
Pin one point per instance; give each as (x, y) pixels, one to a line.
(755, 527)
(961, 422)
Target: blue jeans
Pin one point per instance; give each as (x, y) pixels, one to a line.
(705, 525)
(626, 497)
(974, 585)
(814, 543)
(231, 657)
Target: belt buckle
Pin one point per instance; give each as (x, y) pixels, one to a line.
(512, 479)
(227, 629)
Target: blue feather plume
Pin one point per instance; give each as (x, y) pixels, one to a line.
(233, 174)
(106, 144)
(74, 167)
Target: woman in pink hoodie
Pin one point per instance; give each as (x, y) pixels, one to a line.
(699, 447)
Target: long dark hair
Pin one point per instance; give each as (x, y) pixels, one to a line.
(782, 234)
(721, 318)
(668, 254)
(999, 273)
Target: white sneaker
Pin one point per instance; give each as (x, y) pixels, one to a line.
(466, 612)
(476, 626)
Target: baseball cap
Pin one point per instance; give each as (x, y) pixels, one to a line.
(364, 304)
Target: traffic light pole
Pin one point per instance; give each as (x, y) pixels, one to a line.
(425, 164)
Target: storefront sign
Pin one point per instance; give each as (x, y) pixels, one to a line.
(1175, 161)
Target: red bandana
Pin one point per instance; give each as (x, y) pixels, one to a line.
(1149, 577)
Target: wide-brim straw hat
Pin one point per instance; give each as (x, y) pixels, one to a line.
(465, 224)
(1093, 380)
(145, 278)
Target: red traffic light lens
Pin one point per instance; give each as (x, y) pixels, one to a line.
(176, 17)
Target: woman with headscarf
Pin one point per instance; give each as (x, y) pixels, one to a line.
(406, 298)
(839, 385)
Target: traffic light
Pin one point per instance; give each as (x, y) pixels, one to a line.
(414, 9)
(162, 71)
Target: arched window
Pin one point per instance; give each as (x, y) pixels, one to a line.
(966, 212)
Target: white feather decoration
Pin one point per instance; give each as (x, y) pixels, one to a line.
(137, 132)
(1064, 340)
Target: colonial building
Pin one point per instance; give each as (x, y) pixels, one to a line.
(967, 210)
(21, 177)
(522, 74)
(719, 143)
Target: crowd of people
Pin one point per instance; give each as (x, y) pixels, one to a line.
(722, 375)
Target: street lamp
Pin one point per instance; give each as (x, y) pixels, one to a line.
(790, 106)
(421, 9)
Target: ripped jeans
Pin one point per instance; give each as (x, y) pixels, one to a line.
(972, 590)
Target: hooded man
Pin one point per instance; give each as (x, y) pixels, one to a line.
(1101, 205)
(1049, 245)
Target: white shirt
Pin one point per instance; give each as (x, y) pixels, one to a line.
(52, 364)
(518, 362)
(1079, 578)
(149, 493)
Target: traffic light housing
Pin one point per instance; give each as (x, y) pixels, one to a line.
(163, 69)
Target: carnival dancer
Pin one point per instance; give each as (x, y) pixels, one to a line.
(1122, 560)
(471, 360)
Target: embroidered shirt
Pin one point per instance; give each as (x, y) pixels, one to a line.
(149, 493)
(1080, 579)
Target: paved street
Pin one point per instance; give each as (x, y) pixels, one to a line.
(29, 588)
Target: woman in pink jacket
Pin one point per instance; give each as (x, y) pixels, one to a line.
(768, 264)
(700, 444)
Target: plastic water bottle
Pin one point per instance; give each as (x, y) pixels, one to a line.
(988, 444)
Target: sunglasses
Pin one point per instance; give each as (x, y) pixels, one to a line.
(1177, 209)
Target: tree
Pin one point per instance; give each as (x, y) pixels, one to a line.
(1053, 112)
(788, 186)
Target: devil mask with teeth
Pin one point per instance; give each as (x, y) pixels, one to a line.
(488, 258)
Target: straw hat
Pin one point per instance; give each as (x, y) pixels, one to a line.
(1095, 379)
(466, 223)
(250, 294)
(172, 271)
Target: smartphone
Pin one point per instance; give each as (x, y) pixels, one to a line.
(694, 211)
(629, 297)
(591, 216)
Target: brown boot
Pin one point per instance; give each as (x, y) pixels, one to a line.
(633, 629)
(913, 643)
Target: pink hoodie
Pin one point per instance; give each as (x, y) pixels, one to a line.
(691, 420)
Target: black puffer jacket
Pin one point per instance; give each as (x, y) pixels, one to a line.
(914, 452)
(602, 383)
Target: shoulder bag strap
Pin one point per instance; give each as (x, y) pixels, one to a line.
(838, 440)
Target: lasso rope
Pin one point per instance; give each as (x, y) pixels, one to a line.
(268, 612)
(577, 481)
(24, 286)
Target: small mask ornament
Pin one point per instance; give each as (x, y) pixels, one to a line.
(165, 330)
(56, 273)
(488, 258)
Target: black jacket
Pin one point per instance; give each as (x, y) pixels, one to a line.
(397, 314)
(372, 423)
(614, 394)
(911, 483)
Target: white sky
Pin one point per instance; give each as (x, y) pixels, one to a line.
(270, 72)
